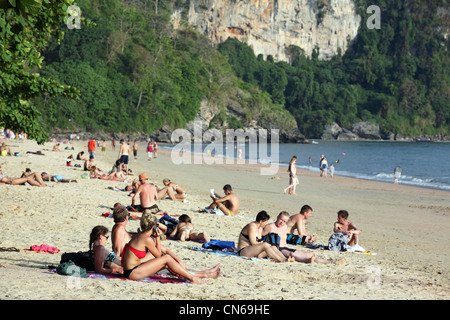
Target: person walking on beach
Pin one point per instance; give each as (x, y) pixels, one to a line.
(397, 174)
(155, 150)
(124, 156)
(323, 166)
(91, 148)
(293, 180)
(135, 150)
(149, 151)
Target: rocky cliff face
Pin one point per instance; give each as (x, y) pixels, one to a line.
(269, 27)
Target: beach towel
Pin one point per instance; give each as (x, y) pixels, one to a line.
(161, 277)
(223, 253)
(44, 248)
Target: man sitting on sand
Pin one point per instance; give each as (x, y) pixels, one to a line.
(33, 179)
(147, 194)
(298, 222)
(119, 234)
(280, 227)
(346, 227)
(228, 205)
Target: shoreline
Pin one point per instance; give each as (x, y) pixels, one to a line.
(405, 226)
(248, 164)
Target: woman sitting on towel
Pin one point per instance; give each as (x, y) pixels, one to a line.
(171, 190)
(149, 239)
(251, 244)
(105, 261)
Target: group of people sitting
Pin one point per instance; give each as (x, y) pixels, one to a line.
(252, 237)
(139, 255)
(142, 254)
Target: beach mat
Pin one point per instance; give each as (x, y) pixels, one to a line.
(223, 253)
(159, 277)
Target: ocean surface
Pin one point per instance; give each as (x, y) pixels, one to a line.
(424, 164)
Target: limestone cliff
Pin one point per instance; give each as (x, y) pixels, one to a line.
(269, 27)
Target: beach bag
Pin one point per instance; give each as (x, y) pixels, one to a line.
(169, 222)
(338, 242)
(69, 268)
(272, 238)
(295, 239)
(84, 260)
(219, 245)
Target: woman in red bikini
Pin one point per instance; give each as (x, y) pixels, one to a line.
(149, 239)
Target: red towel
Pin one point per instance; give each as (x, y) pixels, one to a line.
(44, 248)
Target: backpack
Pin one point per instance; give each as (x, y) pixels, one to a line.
(295, 239)
(84, 260)
(338, 242)
(219, 245)
(272, 238)
(169, 222)
(69, 268)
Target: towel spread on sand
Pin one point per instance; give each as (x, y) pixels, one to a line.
(44, 248)
(161, 277)
(223, 253)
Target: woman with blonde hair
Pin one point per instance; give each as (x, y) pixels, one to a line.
(149, 239)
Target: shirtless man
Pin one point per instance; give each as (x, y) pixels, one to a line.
(147, 194)
(119, 234)
(280, 227)
(229, 204)
(298, 222)
(124, 156)
(346, 227)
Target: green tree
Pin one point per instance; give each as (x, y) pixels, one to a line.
(25, 28)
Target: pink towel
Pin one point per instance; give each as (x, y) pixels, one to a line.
(44, 248)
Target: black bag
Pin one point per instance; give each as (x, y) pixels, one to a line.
(272, 238)
(82, 259)
(295, 239)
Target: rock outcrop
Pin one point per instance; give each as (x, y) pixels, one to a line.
(271, 27)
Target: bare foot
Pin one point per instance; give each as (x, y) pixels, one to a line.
(197, 280)
(291, 259)
(340, 261)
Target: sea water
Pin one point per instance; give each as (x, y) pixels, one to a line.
(424, 164)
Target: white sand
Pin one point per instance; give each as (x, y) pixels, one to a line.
(408, 228)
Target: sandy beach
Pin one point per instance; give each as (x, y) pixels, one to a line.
(408, 228)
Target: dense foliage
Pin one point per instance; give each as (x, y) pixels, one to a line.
(25, 27)
(396, 76)
(135, 73)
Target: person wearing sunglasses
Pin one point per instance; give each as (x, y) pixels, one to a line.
(105, 261)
